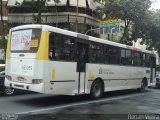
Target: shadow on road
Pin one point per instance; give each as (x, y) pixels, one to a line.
(17, 93)
(88, 112)
(52, 100)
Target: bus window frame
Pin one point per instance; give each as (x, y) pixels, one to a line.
(26, 51)
(62, 48)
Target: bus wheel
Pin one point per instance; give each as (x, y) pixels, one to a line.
(8, 91)
(96, 89)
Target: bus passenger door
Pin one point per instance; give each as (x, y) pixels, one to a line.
(82, 59)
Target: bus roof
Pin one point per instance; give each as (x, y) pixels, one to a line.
(79, 35)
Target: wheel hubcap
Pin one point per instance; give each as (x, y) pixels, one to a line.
(97, 90)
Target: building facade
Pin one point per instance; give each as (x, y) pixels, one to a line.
(74, 15)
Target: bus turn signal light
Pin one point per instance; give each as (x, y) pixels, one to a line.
(9, 77)
(37, 81)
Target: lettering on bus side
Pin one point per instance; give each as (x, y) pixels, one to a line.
(105, 71)
(25, 67)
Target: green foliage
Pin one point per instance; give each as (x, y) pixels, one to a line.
(149, 29)
(3, 42)
(154, 29)
(144, 23)
(4, 25)
(130, 11)
(35, 6)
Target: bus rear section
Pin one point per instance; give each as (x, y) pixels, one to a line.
(22, 67)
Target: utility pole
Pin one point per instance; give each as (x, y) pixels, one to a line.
(77, 17)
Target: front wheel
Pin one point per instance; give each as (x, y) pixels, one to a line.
(8, 91)
(96, 89)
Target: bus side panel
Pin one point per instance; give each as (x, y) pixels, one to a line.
(60, 77)
(136, 75)
(111, 75)
(115, 77)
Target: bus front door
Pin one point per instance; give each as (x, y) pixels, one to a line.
(82, 59)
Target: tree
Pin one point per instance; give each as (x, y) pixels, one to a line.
(148, 29)
(154, 30)
(130, 11)
(36, 6)
(3, 40)
(41, 6)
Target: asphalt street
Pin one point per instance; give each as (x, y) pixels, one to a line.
(113, 105)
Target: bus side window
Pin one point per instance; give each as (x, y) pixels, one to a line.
(128, 57)
(137, 59)
(52, 51)
(123, 57)
(53, 55)
(147, 60)
(61, 47)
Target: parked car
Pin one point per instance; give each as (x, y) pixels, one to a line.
(5, 90)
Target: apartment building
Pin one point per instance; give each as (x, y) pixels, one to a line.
(74, 15)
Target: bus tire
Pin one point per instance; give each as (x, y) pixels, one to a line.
(97, 89)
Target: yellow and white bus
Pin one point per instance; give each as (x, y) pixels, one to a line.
(50, 60)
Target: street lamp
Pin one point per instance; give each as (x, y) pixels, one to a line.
(91, 30)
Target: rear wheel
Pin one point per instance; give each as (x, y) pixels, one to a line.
(8, 91)
(96, 89)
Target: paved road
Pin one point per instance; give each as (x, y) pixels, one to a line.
(54, 107)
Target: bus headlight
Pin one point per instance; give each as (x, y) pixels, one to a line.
(37, 81)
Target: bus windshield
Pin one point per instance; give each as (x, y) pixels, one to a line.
(26, 40)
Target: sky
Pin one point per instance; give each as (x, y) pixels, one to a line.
(155, 5)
